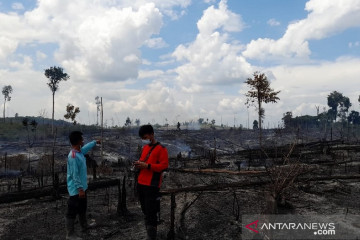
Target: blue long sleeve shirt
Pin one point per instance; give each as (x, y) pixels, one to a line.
(76, 169)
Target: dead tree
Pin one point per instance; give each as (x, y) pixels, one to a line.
(48, 191)
(122, 206)
(282, 179)
(184, 209)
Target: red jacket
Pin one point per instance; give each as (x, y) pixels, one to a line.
(158, 160)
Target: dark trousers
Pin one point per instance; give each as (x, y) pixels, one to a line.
(149, 198)
(76, 206)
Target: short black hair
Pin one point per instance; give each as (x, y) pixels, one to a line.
(75, 137)
(145, 129)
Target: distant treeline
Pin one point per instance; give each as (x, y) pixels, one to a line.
(320, 120)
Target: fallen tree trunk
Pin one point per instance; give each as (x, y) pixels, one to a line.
(49, 191)
(210, 170)
(227, 186)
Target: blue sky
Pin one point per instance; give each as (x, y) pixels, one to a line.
(178, 59)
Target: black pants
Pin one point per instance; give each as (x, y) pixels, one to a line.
(76, 206)
(149, 198)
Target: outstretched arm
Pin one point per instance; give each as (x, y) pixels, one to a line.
(87, 147)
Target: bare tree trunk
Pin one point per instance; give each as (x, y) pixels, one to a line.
(102, 130)
(5, 157)
(171, 233)
(48, 191)
(260, 129)
(53, 160)
(53, 109)
(4, 110)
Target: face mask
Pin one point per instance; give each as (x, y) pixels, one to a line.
(145, 141)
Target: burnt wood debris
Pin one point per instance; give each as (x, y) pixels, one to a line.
(215, 176)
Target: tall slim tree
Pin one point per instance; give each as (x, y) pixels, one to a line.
(98, 104)
(259, 93)
(6, 91)
(55, 76)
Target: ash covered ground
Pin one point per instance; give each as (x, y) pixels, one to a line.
(326, 184)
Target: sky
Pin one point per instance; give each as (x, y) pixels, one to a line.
(169, 61)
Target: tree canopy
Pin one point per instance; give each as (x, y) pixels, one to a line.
(339, 105)
(55, 76)
(259, 93)
(71, 112)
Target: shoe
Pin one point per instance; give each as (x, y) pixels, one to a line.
(70, 232)
(151, 232)
(84, 223)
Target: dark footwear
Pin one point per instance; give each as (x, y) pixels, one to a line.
(151, 232)
(84, 223)
(70, 229)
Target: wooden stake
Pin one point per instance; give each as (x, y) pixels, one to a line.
(171, 234)
(102, 130)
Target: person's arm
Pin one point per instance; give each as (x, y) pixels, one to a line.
(163, 162)
(87, 147)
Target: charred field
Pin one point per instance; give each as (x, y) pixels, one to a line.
(215, 177)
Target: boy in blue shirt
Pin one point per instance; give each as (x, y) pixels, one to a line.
(77, 183)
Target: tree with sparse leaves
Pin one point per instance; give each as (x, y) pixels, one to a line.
(255, 125)
(6, 91)
(354, 118)
(127, 122)
(33, 126)
(287, 119)
(55, 76)
(71, 113)
(137, 121)
(259, 93)
(339, 105)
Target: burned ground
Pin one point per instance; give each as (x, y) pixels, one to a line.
(295, 173)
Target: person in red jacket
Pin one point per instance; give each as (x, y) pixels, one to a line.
(153, 161)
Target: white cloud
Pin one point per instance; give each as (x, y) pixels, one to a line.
(150, 74)
(40, 55)
(171, 8)
(17, 6)
(221, 18)
(157, 99)
(26, 64)
(273, 22)
(161, 4)
(107, 42)
(174, 15)
(354, 44)
(325, 19)
(210, 59)
(7, 47)
(233, 105)
(101, 42)
(156, 43)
